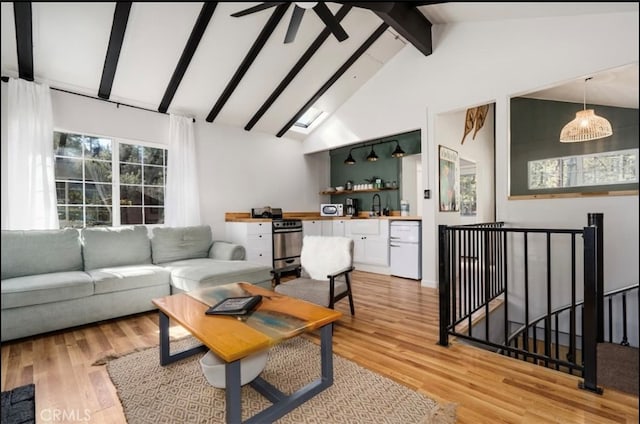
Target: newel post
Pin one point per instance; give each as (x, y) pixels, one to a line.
(596, 219)
(590, 314)
(443, 285)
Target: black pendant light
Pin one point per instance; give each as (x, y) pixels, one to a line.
(372, 155)
(350, 160)
(398, 152)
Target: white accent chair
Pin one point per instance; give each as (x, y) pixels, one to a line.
(324, 273)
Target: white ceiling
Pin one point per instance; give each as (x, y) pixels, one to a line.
(70, 42)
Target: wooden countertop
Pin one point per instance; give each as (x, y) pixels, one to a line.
(315, 216)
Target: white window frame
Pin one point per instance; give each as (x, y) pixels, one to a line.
(115, 165)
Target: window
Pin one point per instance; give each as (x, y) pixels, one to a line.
(468, 203)
(308, 117)
(309, 121)
(619, 167)
(96, 176)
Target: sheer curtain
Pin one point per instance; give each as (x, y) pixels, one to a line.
(182, 199)
(30, 164)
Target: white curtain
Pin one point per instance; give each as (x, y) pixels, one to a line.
(30, 164)
(182, 199)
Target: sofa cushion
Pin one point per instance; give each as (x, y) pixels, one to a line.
(108, 280)
(175, 244)
(192, 274)
(30, 252)
(111, 247)
(45, 288)
(227, 251)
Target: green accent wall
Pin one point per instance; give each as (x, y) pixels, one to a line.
(535, 134)
(386, 167)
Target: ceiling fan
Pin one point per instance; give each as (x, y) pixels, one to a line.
(300, 7)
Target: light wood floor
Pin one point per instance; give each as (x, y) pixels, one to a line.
(393, 333)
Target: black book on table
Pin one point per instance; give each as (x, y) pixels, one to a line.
(235, 305)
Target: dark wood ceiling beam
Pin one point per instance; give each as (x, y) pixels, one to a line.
(410, 23)
(187, 54)
(24, 39)
(352, 59)
(264, 35)
(313, 48)
(118, 28)
(405, 19)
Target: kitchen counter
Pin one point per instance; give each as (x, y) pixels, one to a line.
(313, 216)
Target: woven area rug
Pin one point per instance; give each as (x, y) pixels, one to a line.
(179, 392)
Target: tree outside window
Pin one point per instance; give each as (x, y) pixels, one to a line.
(97, 176)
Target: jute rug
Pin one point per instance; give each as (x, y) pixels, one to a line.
(179, 393)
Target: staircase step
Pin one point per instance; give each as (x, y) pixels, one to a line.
(618, 367)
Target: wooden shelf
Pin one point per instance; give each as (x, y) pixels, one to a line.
(368, 190)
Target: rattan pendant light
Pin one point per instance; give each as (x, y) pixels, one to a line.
(586, 126)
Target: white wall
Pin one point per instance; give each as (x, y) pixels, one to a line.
(489, 62)
(238, 170)
(450, 129)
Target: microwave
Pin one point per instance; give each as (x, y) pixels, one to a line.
(331, 209)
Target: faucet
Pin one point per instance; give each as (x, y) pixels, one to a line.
(376, 212)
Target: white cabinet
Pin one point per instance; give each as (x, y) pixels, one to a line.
(327, 227)
(338, 227)
(323, 227)
(256, 237)
(312, 228)
(370, 241)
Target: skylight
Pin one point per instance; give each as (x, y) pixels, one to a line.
(309, 116)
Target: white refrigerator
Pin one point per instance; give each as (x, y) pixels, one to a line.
(405, 246)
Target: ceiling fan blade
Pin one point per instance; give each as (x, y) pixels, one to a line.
(258, 8)
(330, 21)
(294, 24)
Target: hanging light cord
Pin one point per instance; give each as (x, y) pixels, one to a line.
(584, 94)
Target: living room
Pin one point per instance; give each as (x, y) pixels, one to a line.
(474, 63)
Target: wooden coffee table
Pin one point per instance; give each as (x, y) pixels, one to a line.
(276, 319)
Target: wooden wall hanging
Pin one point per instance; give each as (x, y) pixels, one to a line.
(474, 118)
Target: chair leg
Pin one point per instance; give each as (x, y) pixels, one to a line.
(348, 281)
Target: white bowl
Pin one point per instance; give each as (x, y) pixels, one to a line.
(213, 368)
(339, 188)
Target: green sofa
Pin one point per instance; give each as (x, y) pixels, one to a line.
(57, 279)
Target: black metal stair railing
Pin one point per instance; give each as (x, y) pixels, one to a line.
(616, 304)
(483, 262)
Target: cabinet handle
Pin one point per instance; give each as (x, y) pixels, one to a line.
(260, 236)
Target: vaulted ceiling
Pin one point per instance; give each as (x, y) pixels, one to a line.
(196, 59)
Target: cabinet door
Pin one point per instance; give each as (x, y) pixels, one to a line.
(338, 227)
(327, 228)
(259, 248)
(376, 250)
(311, 228)
(359, 249)
(373, 250)
(259, 228)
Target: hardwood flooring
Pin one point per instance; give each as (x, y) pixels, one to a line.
(394, 333)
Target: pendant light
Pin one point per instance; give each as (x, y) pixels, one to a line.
(350, 160)
(398, 152)
(372, 155)
(586, 126)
